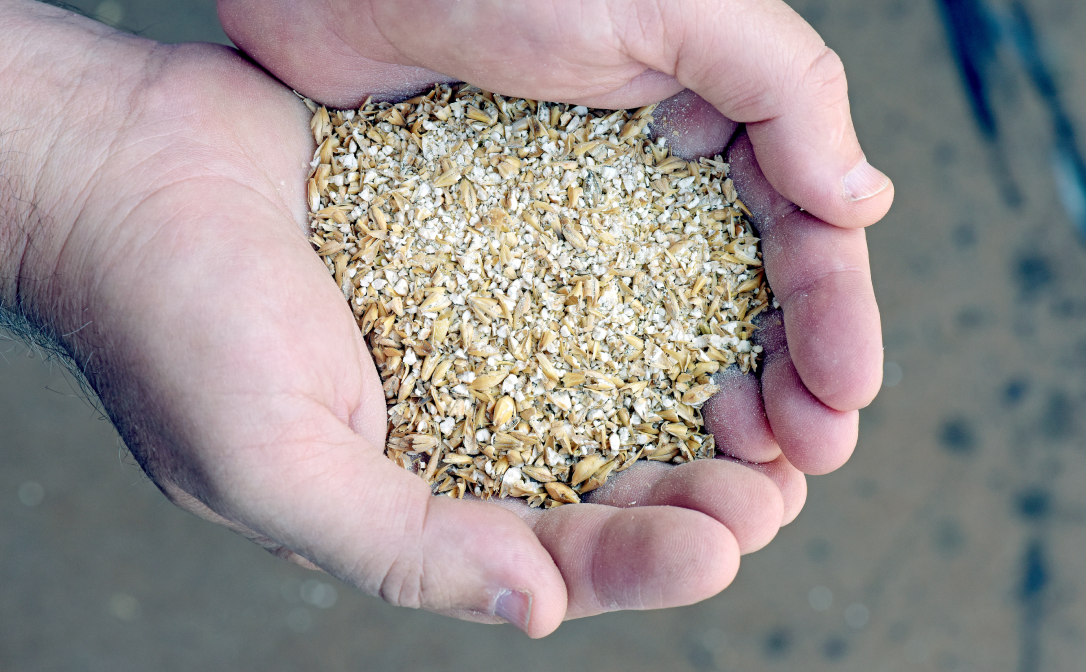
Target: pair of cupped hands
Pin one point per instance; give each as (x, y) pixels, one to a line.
(163, 242)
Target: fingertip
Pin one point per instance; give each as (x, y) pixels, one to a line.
(515, 608)
(743, 499)
(848, 193)
(692, 127)
(757, 509)
(495, 560)
(810, 152)
(793, 485)
(736, 418)
(814, 437)
(692, 557)
(863, 182)
(747, 502)
(790, 481)
(727, 553)
(646, 557)
(849, 198)
(835, 339)
(865, 196)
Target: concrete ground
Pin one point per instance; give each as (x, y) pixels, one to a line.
(952, 541)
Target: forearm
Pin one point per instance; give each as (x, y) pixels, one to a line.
(62, 83)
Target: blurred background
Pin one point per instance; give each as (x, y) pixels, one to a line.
(954, 540)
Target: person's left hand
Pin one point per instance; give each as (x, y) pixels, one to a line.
(176, 267)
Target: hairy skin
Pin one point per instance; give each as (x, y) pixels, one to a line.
(167, 250)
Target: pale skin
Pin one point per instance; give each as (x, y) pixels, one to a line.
(152, 216)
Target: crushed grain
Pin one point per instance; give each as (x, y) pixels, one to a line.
(545, 289)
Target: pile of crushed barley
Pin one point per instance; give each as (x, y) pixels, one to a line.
(545, 290)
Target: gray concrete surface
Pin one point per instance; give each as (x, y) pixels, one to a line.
(953, 540)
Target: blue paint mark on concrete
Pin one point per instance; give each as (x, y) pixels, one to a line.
(1068, 166)
(1032, 590)
(1034, 504)
(976, 32)
(1034, 571)
(974, 36)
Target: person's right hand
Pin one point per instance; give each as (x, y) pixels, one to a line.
(750, 61)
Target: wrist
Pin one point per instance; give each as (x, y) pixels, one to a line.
(64, 81)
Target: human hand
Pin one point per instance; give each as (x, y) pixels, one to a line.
(167, 250)
(753, 61)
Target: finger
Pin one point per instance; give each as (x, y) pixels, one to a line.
(640, 558)
(737, 419)
(760, 63)
(291, 38)
(349, 510)
(691, 126)
(814, 437)
(821, 277)
(746, 502)
(736, 415)
(790, 481)
(756, 61)
(696, 129)
(340, 51)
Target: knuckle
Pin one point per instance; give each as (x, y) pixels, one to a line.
(402, 583)
(823, 77)
(825, 66)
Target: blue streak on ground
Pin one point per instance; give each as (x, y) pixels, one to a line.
(1067, 162)
(1031, 593)
(975, 33)
(1034, 571)
(973, 36)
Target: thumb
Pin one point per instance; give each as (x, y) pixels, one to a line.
(760, 63)
(346, 508)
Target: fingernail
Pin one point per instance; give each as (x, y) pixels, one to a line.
(864, 181)
(514, 606)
